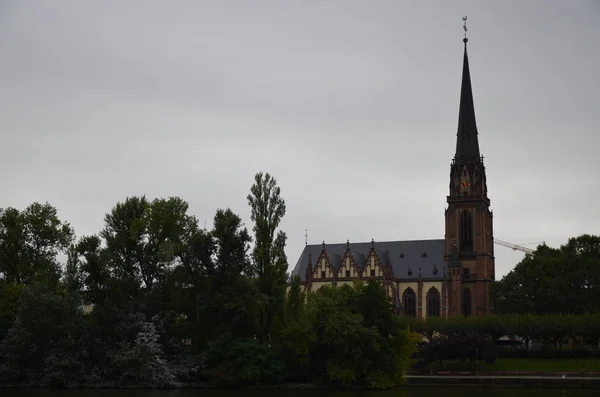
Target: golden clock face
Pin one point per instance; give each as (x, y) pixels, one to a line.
(465, 183)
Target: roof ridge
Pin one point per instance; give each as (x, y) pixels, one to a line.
(380, 242)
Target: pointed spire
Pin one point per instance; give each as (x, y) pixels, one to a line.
(467, 144)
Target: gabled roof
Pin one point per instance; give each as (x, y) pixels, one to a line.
(406, 257)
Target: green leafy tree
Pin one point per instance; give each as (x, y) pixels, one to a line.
(125, 237)
(295, 300)
(93, 268)
(196, 257)
(142, 363)
(337, 341)
(9, 300)
(30, 241)
(44, 344)
(142, 239)
(232, 301)
(267, 208)
(227, 302)
(564, 280)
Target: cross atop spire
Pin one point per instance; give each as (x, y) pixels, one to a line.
(467, 143)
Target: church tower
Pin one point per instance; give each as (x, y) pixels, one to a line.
(469, 235)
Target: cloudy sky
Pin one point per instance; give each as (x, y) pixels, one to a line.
(352, 105)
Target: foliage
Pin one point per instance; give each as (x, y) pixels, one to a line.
(548, 353)
(142, 364)
(43, 346)
(244, 361)
(30, 241)
(471, 347)
(295, 300)
(564, 280)
(153, 300)
(539, 366)
(9, 299)
(267, 209)
(551, 330)
(337, 339)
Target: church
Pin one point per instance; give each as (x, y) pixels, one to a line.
(444, 277)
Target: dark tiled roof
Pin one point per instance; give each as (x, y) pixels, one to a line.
(406, 257)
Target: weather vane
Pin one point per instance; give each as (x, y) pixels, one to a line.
(465, 25)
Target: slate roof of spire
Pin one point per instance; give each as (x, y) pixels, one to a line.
(467, 143)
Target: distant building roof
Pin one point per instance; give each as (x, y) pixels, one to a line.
(406, 257)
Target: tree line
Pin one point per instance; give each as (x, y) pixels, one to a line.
(173, 303)
(550, 329)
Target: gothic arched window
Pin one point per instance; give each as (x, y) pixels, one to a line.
(466, 231)
(433, 302)
(467, 302)
(409, 301)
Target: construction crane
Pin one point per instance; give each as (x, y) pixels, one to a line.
(516, 247)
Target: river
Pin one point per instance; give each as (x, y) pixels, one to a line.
(403, 392)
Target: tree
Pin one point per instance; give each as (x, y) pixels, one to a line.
(295, 300)
(92, 263)
(336, 341)
(125, 236)
(216, 262)
(234, 301)
(196, 256)
(142, 364)
(44, 344)
(30, 241)
(9, 300)
(142, 238)
(232, 244)
(267, 209)
(563, 280)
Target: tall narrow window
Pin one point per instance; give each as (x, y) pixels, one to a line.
(466, 231)
(467, 302)
(433, 302)
(409, 300)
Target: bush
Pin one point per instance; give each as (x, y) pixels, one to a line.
(504, 352)
(238, 361)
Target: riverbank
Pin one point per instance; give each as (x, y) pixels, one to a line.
(509, 372)
(585, 380)
(508, 381)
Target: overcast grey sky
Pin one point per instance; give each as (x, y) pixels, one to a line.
(351, 105)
